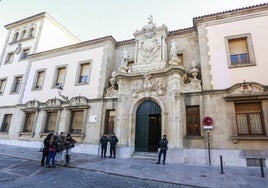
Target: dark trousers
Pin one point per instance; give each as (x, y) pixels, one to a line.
(113, 151)
(44, 157)
(51, 157)
(103, 151)
(164, 152)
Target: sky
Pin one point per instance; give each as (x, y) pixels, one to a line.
(90, 19)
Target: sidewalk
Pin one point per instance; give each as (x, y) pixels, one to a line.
(186, 175)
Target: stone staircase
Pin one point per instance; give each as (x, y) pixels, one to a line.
(145, 155)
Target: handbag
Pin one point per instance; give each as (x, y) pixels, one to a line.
(41, 149)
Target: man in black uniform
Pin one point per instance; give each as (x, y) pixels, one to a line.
(113, 141)
(103, 142)
(163, 149)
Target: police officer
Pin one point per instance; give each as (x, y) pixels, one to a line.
(113, 141)
(103, 141)
(163, 149)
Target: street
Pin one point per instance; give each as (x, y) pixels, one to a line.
(15, 172)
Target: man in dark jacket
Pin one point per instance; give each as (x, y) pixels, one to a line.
(103, 141)
(113, 141)
(46, 149)
(163, 149)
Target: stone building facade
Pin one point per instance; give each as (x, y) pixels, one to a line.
(204, 87)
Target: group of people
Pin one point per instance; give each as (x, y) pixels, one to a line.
(104, 142)
(57, 145)
(62, 145)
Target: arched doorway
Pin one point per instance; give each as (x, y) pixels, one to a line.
(148, 127)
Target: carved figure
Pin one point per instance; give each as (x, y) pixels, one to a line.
(149, 29)
(113, 81)
(173, 48)
(125, 55)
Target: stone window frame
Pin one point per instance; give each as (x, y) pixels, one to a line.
(70, 110)
(236, 104)
(15, 37)
(15, 84)
(23, 34)
(235, 137)
(51, 110)
(79, 69)
(56, 75)
(8, 59)
(23, 55)
(6, 128)
(31, 32)
(36, 79)
(27, 111)
(252, 61)
(2, 88)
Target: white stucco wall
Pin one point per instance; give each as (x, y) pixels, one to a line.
(54, 36)
(224, 77)
(71, 89)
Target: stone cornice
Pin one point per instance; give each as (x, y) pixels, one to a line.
(165, 71)
(26, 20)
(66, 49)
(231, 13)
(182, 31)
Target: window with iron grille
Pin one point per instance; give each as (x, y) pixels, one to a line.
(249, 119)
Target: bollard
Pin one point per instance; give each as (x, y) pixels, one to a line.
(221, 165)
(262, 171)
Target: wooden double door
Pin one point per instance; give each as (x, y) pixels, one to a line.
(148, 127)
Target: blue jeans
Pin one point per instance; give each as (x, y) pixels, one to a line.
(51, 157)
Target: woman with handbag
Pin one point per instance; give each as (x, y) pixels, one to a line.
(52, 151)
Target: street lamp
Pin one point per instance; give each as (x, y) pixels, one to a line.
(60, 89)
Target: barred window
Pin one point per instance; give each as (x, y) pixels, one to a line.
(249, 119)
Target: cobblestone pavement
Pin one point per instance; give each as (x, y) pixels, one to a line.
(20, 173)
(180, 174)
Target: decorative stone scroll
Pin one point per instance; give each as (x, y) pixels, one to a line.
(148, 86)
